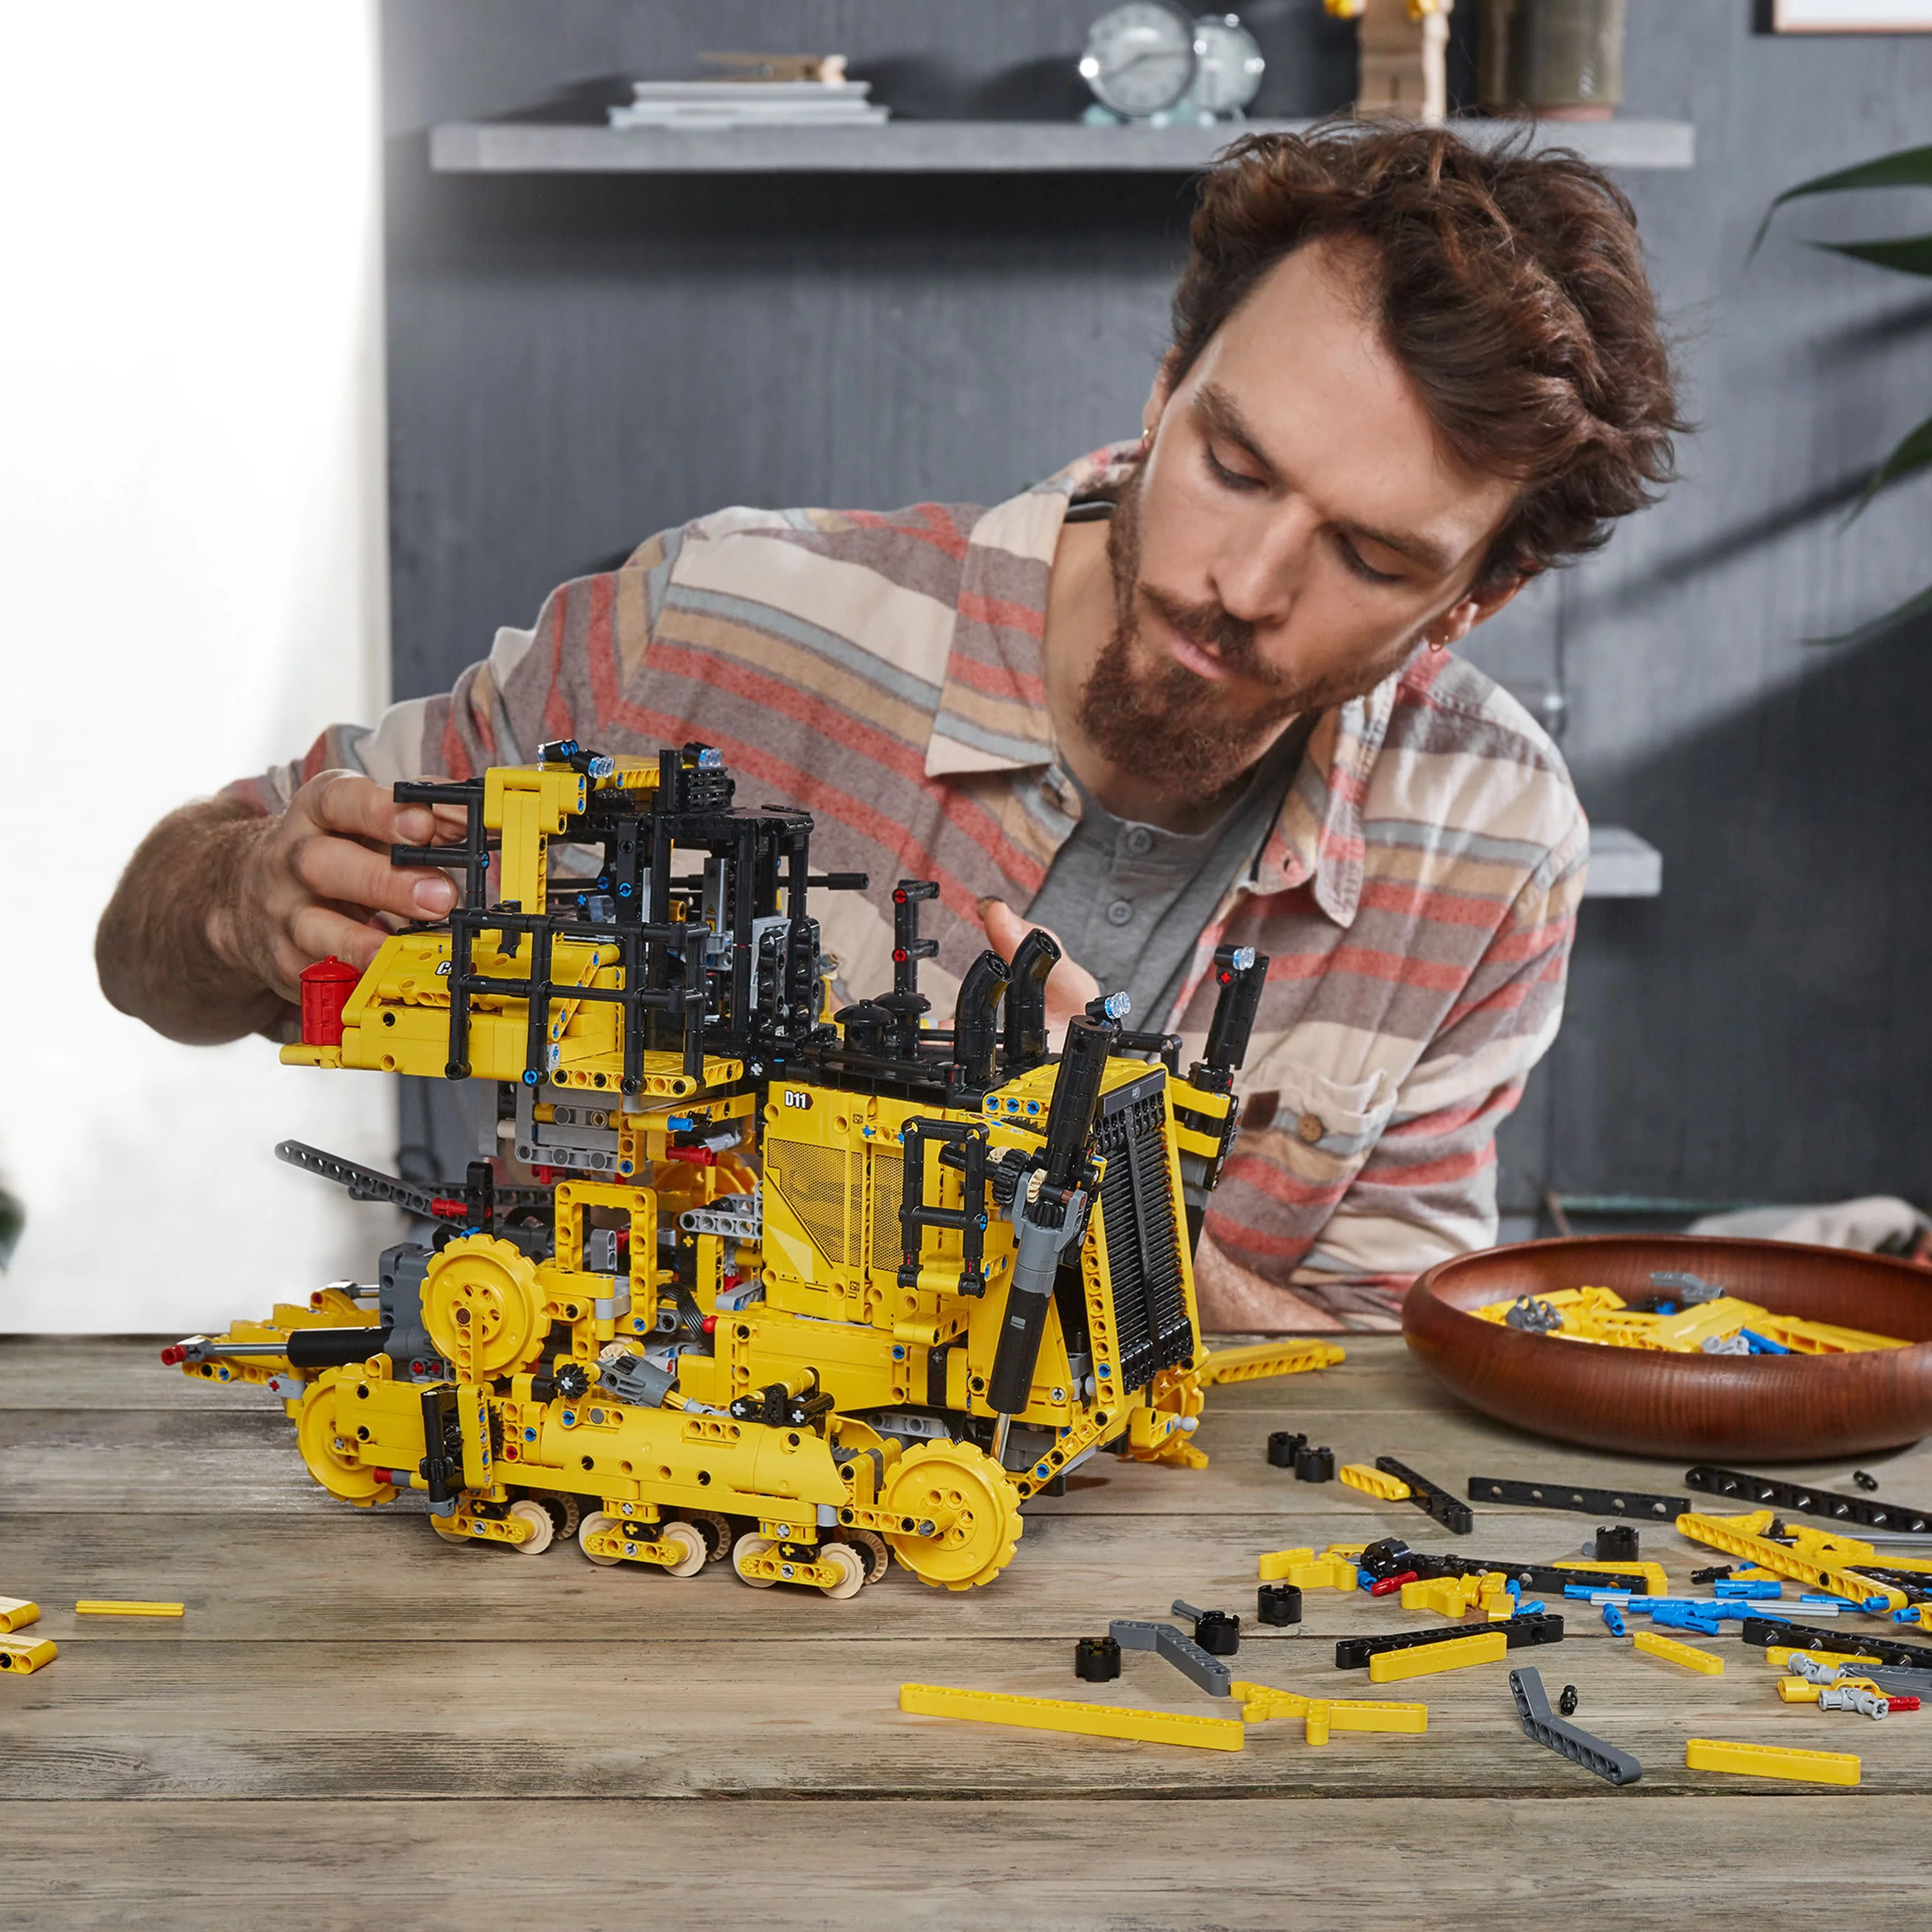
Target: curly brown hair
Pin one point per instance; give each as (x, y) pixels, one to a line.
(1511, 289)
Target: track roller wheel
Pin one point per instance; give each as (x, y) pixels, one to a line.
(752, 1544)
(543, 1531)
(689, 1540)
(870, 1546)
(841, 1556)
(715, 1530)
(594, 1525)
(564, 1512)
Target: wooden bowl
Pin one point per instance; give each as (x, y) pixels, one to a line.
(1737, 1408)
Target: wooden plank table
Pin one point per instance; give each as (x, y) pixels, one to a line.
(352, 1711)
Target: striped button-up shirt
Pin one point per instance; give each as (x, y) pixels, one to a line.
(1416, 898)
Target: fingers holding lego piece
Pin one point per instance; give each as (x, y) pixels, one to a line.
(1069, 987)
(317, 880)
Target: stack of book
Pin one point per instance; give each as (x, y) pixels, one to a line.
(713, 104)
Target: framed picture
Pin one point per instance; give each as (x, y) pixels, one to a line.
(1851, 17)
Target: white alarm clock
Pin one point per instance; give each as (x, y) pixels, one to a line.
(1140, 59)
(1228, 67)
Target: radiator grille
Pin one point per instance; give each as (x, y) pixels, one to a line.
(1151, 1327)
(888, 1192)
(819, 1185)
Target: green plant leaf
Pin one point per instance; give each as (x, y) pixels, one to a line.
(1912, 454)
(1911, 255)
(1910, 167)
(1913, 607)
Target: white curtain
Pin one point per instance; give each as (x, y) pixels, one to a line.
(192, 581)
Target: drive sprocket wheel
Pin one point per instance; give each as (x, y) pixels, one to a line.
(956, 1479)
(483, 1308)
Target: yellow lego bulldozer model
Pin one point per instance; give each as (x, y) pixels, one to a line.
(795, 1291)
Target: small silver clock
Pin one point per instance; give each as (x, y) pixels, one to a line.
(1140, 59)
(1228, 67)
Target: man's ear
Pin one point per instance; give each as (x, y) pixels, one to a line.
(1477, 607)
(1162, 393)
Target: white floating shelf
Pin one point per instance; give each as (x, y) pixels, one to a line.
(960, 147)
(1622, 865)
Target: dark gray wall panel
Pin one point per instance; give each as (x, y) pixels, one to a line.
(574, 363)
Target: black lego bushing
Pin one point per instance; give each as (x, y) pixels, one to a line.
(1389, 1556)
(1218, 1632)
(1315, 1466)
(1278, 1603)
(1097, 1660)
(1283, 1448)
(1616, 1544)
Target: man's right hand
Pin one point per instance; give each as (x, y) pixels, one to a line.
(315, 881)
(220, 909)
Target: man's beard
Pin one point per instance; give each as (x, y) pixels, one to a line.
(1167, 723)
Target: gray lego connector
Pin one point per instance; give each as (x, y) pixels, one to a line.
(1542, 1725)
(1183, 1652)
(1854, 1697)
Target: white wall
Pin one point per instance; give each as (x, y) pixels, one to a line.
(192, 580)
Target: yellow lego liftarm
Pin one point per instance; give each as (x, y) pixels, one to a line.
(1806, 1767)
(1427, 1660)
(1063, 1713)
(1653, 1644)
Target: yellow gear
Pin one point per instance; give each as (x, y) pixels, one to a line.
(955, 1481)
(323, 1450)
(483, 1310)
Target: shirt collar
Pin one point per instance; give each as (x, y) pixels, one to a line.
(992, 713)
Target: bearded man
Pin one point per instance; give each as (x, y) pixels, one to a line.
(1193, 690)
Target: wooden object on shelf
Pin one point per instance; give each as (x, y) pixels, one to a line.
(1403, 61)
(1745, 1408)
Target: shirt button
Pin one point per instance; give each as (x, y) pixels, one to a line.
(1139, 842)
(1121, 912)
(1308, 1129)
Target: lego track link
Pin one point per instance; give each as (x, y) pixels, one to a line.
(803, 1291)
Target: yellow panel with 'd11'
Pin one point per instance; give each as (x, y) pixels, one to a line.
(802, 1289)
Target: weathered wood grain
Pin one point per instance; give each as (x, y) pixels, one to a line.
(701, 1716)
(1129, 1866)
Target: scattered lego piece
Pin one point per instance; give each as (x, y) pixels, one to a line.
(21, 1655)
(1765, 1633)
(1283, 1447)
(1446, 1596)
(1617, 1543)
(1736, 1586)
(1584, 1501)
(1217, 1632)
(1353, 1653)
(1868, 1702)
(1647, 1577)
(1717, 1572)
(1779, 1655)
(1097, 1660)
(1809, 1556)
(1541, 1726)
(1387, 1586)
(1060, 1714)
(1898, 1683)
(104, 1607)
(1359, 1476)
(1186, 1656)
(1315, 1466)
(1446, 1653)
(1613, 1620)
(1306, 1571)
(1864, 1479)
(1806, 1500)
(1806, 1767)
(1566, 1701)
(1672, 1651)
(1260, 1703)
(1278, 1604)
(16, 1613)
(1455, 1516)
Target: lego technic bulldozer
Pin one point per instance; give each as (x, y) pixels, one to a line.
(793, 1289)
